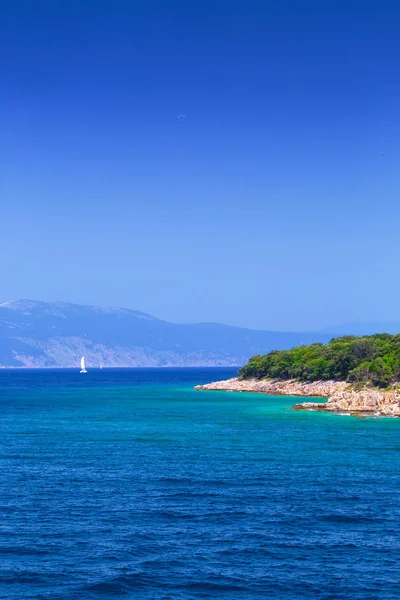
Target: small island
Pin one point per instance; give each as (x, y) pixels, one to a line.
(358, 375)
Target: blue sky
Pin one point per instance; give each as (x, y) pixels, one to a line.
(268, 206)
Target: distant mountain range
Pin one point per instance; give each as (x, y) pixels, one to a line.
(57, 334)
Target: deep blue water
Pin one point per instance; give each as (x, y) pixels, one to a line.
(129, 484)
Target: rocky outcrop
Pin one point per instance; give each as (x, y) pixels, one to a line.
(289, 387)
(342, 397)
(368, 401)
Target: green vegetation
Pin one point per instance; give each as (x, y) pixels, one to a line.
(373, 360)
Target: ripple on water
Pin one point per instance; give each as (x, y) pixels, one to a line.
(146, 489)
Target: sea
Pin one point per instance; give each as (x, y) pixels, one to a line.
(130, 484)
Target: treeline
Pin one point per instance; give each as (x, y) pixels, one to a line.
(371, 359)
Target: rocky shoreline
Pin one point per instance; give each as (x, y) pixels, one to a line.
(342, 397)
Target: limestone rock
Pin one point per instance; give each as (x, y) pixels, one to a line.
(342, 397)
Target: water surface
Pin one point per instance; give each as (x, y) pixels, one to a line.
(130, 484)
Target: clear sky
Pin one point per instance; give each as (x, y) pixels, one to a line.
(268, 206)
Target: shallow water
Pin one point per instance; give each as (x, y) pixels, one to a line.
(130, 484)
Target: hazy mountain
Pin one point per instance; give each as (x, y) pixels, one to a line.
(362, 329)
(56, 334)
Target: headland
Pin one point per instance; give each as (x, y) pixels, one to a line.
(357, 376)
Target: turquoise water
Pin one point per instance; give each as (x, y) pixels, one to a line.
(130, 484)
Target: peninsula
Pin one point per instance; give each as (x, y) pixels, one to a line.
(357, 375)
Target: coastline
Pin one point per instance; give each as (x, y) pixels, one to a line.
(341, 396)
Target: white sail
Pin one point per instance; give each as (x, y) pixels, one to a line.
(83, 369)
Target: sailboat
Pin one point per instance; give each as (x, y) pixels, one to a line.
(83, 370)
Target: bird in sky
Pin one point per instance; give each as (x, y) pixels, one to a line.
(381, 153)
(181, 117)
